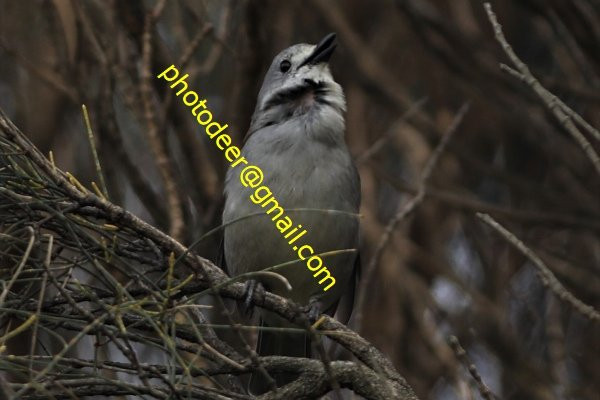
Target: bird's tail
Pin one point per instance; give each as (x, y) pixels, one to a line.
(278, 343)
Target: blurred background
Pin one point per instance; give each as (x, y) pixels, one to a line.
(407, 67)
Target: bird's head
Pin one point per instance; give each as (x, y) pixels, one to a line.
(299, 82)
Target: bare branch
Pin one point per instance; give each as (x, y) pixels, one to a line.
(547, 277)
(551, 101)
(406, 209)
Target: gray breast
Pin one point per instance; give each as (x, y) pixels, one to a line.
(302, 172)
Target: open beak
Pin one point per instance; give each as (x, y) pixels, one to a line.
(322, 52)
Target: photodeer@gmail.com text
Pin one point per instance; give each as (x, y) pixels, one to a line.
(251, 176)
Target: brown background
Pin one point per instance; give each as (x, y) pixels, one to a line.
(443, 272)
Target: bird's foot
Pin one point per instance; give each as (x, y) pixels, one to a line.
(314, 310)
(250, 287)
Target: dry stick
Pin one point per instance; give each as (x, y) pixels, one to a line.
(366, 60)
(214, 54)
(462, 356)
(229, 380)
(60, 178)
(570, 112)
(575, 50)
(91, 35)
(469, 202)
(38, 311)
(125, 349)
(405, 210)
(547, 277)
(90, 135)
(579, 119)
(378, 144)
(86, 329)
(46, 75)
(211, 274)
(573, 47)
(188, 52)
(162, 160)
(176, 216)
(204, 322)
(208, 176)
(549, 99)
(20, 267)
(141, 187)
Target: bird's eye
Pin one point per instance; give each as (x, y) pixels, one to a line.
(285, 66)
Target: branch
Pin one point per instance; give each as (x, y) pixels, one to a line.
(462, 356)
(560, 111)
(547, 277)
(110, 243)
(165, 167)
(405, 210)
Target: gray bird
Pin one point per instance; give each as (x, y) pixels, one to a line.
(296, 137)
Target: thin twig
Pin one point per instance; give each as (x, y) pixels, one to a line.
(188, 52)
(378, 144)
(131, 318)
(405, 210)
(38, 312)
(547, 277)
(90, 135)
(174, 204)
(462, 356)
(17, 272)
(549, 99)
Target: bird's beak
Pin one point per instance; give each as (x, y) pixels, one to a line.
(322, 52)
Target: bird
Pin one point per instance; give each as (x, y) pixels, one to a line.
(297, 137)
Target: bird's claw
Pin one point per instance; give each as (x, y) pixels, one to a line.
(315, 309)
(250, 287)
